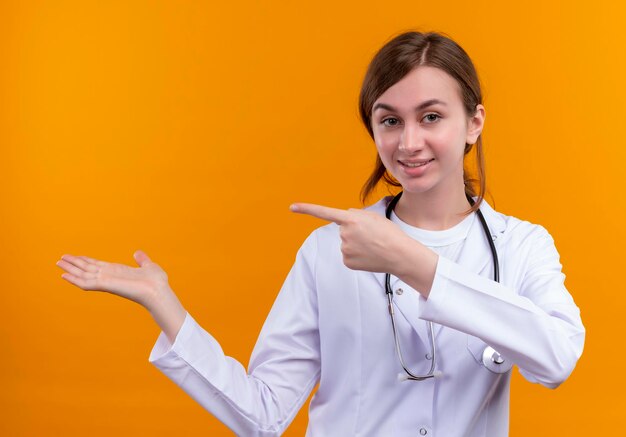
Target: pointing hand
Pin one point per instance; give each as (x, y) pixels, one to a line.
(368, 240)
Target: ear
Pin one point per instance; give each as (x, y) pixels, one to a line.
(475, 125)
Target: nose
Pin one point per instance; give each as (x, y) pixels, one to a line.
(412, 139)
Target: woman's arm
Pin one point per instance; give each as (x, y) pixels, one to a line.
(285, 363)
(284, 366)
(536, 326)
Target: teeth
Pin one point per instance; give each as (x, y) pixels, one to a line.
(417, 164)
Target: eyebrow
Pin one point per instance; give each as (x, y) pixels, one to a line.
(419, 107)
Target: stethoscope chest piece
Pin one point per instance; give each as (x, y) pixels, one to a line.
(493, 361)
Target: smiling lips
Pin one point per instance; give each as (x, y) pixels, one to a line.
(413, 164)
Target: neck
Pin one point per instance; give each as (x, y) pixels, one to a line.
(432, 212)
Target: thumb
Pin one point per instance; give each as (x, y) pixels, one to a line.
(141, 258)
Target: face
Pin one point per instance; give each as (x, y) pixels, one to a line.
(420, 128)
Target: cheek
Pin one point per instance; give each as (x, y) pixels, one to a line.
(385, 148)
(385, 142)
(452, 140)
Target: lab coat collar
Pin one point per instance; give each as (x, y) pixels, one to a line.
(475, 256)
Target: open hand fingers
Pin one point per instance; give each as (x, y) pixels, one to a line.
(71, 268)
(81, 271)
(83, 262)
(338, 216)
(81, 281)
(78, 277)
(93, 261)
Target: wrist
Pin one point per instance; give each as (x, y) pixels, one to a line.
(416, 265)
(156, 296)
(408, 253)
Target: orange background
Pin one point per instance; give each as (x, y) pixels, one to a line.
(186, 129)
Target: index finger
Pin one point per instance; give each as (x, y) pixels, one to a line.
(336, 215)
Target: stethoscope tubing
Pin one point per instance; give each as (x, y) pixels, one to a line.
(496, 277)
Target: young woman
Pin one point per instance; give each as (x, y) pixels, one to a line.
(409, 313)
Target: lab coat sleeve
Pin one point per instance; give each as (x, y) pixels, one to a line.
(537, 326)
(284, 366)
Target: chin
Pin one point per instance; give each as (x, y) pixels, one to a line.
(413, 189)
(417, 185)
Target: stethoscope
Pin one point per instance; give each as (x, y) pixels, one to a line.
(491, 359)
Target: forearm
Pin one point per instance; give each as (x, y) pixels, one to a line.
(222, 386)
(544, 341)
(167, 311)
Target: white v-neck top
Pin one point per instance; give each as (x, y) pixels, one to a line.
(447, 242)
(432, 238)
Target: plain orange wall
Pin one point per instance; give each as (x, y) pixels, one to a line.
(186, 129)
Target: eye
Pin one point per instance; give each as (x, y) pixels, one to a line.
(432, 117)
(393, 122)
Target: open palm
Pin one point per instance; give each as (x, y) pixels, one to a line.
(134, 283)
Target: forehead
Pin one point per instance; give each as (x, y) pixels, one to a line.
(421, 84)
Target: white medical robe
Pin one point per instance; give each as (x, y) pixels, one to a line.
(330, 324)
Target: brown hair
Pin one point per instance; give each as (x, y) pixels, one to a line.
(394, 61)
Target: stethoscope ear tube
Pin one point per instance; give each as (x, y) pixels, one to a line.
(492, 246)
